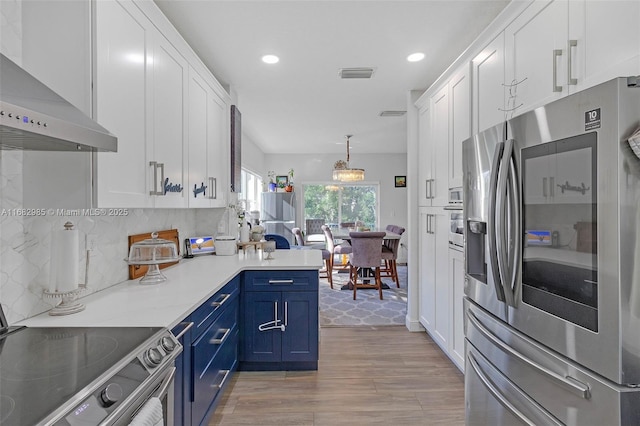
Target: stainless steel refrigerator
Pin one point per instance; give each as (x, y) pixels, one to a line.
(552, 254)
(278, 214)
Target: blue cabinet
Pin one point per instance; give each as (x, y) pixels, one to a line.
(210, 355)
(182, 382)
(280, 320)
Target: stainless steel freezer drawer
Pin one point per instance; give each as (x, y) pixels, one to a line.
(558, 389)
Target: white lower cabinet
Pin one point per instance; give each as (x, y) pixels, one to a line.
(456, 288)
(434, 294)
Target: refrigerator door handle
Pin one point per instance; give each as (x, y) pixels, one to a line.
(502, 252)
(491, 223)
(495, 392)
(569, 383)
(511, 286)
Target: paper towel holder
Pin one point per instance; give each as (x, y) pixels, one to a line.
(69, 299)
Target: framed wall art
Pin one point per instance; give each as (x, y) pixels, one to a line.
(401, 181)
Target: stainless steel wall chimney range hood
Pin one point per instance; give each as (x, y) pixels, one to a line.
(33, 117)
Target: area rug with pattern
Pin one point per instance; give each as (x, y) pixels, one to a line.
(338, 309)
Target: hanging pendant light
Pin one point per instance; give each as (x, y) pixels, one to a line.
(343, 173)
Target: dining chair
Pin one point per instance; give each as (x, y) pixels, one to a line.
(313, 230)
(326, 255)
(390, 249)
(297, 232)
(366, 254)
(333, 248)
(281, 242)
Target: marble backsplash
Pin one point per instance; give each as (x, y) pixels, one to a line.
(25, 242)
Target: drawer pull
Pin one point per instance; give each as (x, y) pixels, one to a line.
(220, 341)
(187, 325)
(220, 303)
(224, 379)
(280, 281)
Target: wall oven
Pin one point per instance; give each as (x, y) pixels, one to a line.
(455, 217)
(552, 233)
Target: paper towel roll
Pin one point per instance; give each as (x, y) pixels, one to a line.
(66, 259)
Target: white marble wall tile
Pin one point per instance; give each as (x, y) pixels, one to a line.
(25, 243)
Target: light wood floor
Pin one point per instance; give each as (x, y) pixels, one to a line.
(366, 376)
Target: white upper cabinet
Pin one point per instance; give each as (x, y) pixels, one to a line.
(121, 87)
(460, 122)
(559, 47)
(167, 124)
(536, 56)
(438, 187)
(488, 86)
(424, 155)
(605, 39)
(208, 165)
(149, 95)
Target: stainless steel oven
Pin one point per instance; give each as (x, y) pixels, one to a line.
(75, 376)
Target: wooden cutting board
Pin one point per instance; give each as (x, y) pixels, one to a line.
(137, 271)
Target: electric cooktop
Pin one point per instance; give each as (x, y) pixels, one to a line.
(43, 370)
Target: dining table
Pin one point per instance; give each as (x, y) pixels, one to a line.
(343, 234)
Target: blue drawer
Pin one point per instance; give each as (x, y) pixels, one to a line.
(209, 342)
(212, 308)
(281, 280)
(211, 376)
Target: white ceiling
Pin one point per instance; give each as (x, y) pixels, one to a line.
(300, 105)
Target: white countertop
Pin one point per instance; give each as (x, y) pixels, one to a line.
(562, 256)
(188, 285)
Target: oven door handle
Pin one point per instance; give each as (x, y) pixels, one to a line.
(166, 382)
(187, 325)
(453, 207)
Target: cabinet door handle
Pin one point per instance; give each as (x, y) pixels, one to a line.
(570, 80)
(552, 190)
(286, 314)
(431, 182)
(426, 189)
(187, 325)
(217, 304)
(276, 282)
(556, 54)
(544, 186)
(154, 191)
(221, 340)
(157, 166)
(213, 192)
(272, 325)
(224, 379)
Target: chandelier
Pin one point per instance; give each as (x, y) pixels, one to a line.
(343, 173)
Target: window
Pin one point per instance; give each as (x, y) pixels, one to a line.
(250, 189)
(342, 203)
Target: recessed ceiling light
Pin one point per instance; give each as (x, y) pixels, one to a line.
(270, 59)
(415, 57)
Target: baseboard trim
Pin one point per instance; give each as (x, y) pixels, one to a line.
(413, 326)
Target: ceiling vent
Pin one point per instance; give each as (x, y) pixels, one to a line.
(356, 72)
(392, 113)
